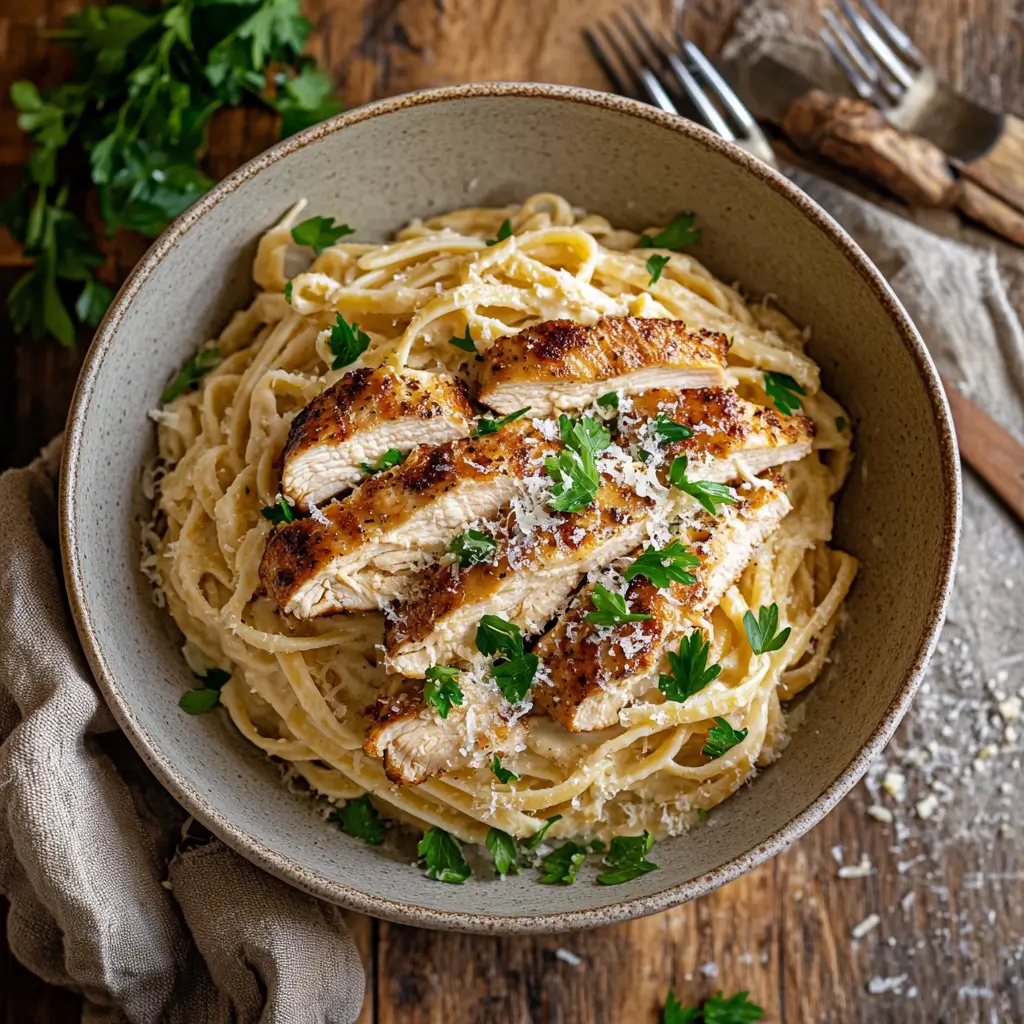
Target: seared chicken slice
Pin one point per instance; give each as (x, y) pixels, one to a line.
(561, 365)
(596, 671)
(731, 436)
(416, 743)
(531, 576)
(362, 416)
(358, 554)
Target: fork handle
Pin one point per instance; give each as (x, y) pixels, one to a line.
(1001, 169)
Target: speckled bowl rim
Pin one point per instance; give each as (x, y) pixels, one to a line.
(234, 833)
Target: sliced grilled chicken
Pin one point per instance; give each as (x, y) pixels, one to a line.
(561, 365)
(416, 743)
(731, 436)
(531, 577)
(596, 671)
(359, 553)
(359, 418)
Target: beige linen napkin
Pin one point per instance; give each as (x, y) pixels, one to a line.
(100, 901)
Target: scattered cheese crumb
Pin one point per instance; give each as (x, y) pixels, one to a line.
(895, 784)
(861, 870)
(927, 806)
(1010, 709)
(869, 923)
(880, 813)
(879, 986)
(568, 956)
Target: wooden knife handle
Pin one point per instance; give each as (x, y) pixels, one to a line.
(992, 452)
(1001, 169)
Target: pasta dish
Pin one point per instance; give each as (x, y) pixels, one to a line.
(517, 521)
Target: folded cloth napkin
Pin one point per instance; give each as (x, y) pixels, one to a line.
(103, 898)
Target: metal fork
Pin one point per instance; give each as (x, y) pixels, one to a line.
(673, 74)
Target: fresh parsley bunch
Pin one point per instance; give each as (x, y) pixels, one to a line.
(133, 122)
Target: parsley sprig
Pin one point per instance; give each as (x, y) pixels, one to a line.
(538, 837)
(359, 818)
(763, 632)
(466, 342)
(440, 690)
(486, 426)
(722, 737)
(347, 343)
(669, 431)
(689, 671)
(503, 775)
(514, 668)
(574, 469)
(391, 458)
(671, 564)
(472, 547)
(191, 373)
(205, 697)
(561, 866)
(783, 391)
(279, 512)
(505, 231)
(503, 850)
(441, 854)
(737, 1009)
(133, 122)
(611, 609)
(320, 232)
(709, 494)
(677, 236)
(626, 859)
(655, 265)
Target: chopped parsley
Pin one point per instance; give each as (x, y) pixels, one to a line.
(626, 859)
(515, 669)
(722, 737)
(320, 232)
(609, 401)
(205, 697)
(504, 775)
(677, 236)
(763, 632)
(538, 837)
(841, 424)
(359, 818)
(709, 494)
(783, 391)
(191, 373)
(279, 512)
(574, 469)
(597, 846)
(670, 564)
(347, 343)
(486, 426)
(472, 547)
(288, 293)
(655, 265)
(440, 690)
(503, 850)
(611, 609)
(466, 342)
(391, 458)
(702, 814)
(505, 231)
(669, 431)
(562, 865)
(441, 854)
(689, 671)
(717, 1010)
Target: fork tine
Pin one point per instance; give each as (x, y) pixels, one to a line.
(877, 45)
(897, 38)
(640, 68)
(605, 63)
(883, 90)
(718, 84)
(862, 86)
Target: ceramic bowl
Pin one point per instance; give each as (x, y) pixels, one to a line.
(416, 155)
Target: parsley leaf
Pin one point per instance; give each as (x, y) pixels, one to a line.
(288, 293)
(486, 426)
(722, 737)
(391, 458)
(675, 1013)
(515, 671)
(655, 265)
(678, 235)
(442, 856)
(440, 690)
(466, 342)
(702, 814)
(665, 566)
(562, 865)
(538, 837)
(709, 494)
(472, 547)
(505, 231)
(738, 1009)
(609, 401)
(320, 233)
(669, 431)
(783, 391)
(841, 424)
(279, 512)
(611, 609)
(763, 632)
(574, 469)
(504, 775)
(689, 669)
(627, 859)
(359, 818)
(191, 373)
(503, 850)
(347, 343)
(205, 697)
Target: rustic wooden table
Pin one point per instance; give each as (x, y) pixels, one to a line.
(783, 931)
